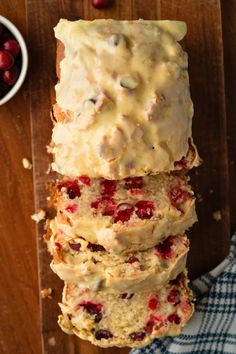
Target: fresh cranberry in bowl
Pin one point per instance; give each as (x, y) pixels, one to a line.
(6, 60)
(10, 76)
(12, 46)
(13, 60)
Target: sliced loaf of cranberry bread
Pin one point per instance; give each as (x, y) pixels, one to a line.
(91, 266)
(126, 110)
(126, 319)
(124, 216)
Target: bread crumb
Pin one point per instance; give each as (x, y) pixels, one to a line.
(46, 293)
(26, 164)
(211, 191)
(49, 149)
(37, 217)
(52, 341)
(199, 197)
(217, 215)
(49, 169)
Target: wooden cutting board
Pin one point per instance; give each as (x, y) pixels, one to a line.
(209, 238)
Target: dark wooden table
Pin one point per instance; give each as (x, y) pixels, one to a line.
(213, 82)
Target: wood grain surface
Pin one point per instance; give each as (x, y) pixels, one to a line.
(214, 132)
(19, 301)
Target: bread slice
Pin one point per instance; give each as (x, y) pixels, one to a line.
(128, 319)
(126, 110)
(124, 216)
(91, 266)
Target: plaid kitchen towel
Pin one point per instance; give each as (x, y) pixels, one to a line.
(212, 329)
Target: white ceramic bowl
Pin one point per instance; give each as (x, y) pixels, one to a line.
(24, 66)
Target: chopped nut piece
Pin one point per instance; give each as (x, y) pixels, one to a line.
(46, 293)
(217, 215)
(110, 146)
(155, 103)
(128, 82)
(103, 102)
(37, 217)
(26, 164)
(89, 105)
(117, 39)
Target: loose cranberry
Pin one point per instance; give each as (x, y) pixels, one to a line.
(132, 260)
(103, 334)
(174, 318)
(75, 246)
(149, 326)
(138, 336)
(58, 246)
(101, 4)
(164, 249)
(71, 208)
(72, 188)
(109, 207)
(108, 188)
(134, 182)
(144, 209)
(85, 180)
(173, 296)
(126, 296)
(123, 212)
(91, 307)
(153, 303)
(178, 196)
(95, 247)
(12, 46)
(6, 60)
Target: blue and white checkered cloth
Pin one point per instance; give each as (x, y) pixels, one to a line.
(212, 329)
